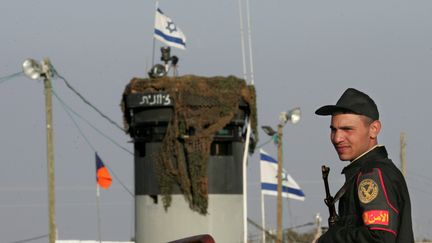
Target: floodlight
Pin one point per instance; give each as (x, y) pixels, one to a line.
(157, 71)
(283, 117)
(293, 116)
(268, 130)
(318, 219)
(32, 69)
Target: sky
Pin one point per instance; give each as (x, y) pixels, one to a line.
(305, 53)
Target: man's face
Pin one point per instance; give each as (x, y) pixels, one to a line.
(352, 135)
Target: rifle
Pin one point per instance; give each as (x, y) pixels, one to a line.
(329, 200)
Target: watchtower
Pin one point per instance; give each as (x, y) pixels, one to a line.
(188, 134)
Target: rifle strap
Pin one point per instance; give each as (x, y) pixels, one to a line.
(342, 190)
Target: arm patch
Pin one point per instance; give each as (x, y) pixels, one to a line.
(380, 217)
(375, 199)
(367, 190)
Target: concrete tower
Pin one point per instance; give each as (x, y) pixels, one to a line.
(188, 134)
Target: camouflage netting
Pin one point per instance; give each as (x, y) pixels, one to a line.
(202, 107)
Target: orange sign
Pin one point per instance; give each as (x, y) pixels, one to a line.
(376, 217)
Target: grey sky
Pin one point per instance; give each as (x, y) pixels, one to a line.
(306, 53)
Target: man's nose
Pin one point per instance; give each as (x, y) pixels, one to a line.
(337, 137)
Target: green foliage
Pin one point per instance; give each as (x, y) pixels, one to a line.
(202, 107)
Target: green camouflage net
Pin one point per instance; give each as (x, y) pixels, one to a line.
(202, 107)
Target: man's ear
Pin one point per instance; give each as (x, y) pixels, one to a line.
(374, 129)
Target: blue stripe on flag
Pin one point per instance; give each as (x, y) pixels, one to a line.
(273, 187)
(169, 38)
(267, 158)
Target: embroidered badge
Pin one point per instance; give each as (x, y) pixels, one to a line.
(376, 217)
(367, 190)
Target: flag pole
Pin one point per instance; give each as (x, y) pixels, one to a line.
(245, 159)
(246, 148)
(263, 218)
(250, 43)
(154, 39)
(242, 39)
(98, 212)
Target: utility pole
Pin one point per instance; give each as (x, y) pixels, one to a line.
(34, 71)
(46, 67)
(279, 185)
(403, 153)
(292, 116)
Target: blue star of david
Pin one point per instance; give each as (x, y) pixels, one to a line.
(171, 27)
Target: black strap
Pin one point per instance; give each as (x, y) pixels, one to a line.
(343, 189)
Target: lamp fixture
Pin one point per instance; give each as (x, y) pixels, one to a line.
(268, 130)
(32, 69)
(157, 71)
(35, 70)
(292, 116)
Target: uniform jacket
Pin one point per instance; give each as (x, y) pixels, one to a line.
(376, 205)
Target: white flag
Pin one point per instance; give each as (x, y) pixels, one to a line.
(167, 32)
(290, 188)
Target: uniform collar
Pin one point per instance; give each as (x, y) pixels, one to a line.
(378, 152)
(366, 152)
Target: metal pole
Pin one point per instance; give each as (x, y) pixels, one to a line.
(154, 40)
(403, 153)
(279, 185)
(263, 218)
(50, 151)
(250, 43)
(244, 175)
(98, 212)
(242, 39)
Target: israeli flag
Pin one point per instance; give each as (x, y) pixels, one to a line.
(290, 188)
(167, 32)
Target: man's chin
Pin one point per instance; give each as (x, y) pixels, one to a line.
(344, 157)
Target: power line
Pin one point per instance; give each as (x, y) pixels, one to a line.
(268, 233)
(419, 177)
(90, 145)
(265, 143)
(64, 204)
(67, 107)
(31, 239)
(427, 193)
(68, 110)
(11, 76)
(86, 101)
(258, 226)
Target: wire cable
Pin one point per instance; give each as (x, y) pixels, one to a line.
(11, 76)
(265, 143)
(424, 192)
(419, 177)
(88, 123)
(86, 101)
(88, 142)
(31, 239)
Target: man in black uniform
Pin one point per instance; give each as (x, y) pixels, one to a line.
(375, 204)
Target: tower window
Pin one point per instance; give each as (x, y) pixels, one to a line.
(221, 148)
